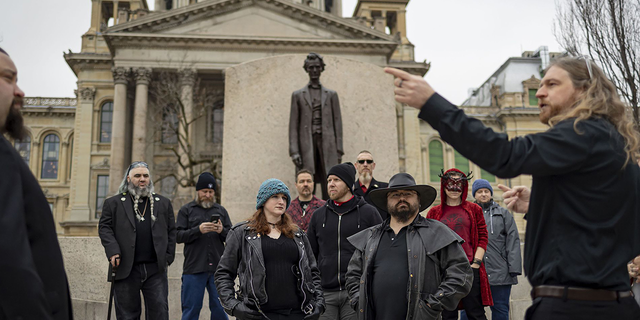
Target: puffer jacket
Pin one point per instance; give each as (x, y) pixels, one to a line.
(243, 258)
(439, 271)
(503, 251)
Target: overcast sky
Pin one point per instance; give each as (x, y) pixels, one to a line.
(464, 40)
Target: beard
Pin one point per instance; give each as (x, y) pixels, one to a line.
(14, 126)
(403, 214)
(365, 177)
(205, 203)
(338, 195)
(141, 192)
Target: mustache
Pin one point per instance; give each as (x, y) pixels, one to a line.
(401, 202)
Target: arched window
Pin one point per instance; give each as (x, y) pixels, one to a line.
(461, 162)
(24, 148)
(50, 156)
(436, 160)
(106, 120)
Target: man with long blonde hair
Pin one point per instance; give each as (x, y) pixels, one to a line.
(582, 211)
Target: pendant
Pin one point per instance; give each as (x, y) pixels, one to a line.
(141, 218)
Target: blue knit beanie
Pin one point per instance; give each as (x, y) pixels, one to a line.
(479, 184)
(270, 187)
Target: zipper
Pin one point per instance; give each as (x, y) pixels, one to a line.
(339, 223)
(304, 294)
(253, 290)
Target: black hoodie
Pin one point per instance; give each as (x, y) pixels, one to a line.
(328, 231)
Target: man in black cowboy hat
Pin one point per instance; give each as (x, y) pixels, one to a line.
(412, 267)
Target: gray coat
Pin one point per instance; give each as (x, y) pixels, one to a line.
(300, 135)
(503, 256)
(439, 269)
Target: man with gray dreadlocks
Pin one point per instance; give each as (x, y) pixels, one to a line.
(138, 232)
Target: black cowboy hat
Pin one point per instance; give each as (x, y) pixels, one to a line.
(404, 181)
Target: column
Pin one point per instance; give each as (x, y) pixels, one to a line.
(139, 143)
(187, 81)
(116, 171)
(401, 25)
(160, 6)
(81, 167)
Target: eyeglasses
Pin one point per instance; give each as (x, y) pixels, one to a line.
(588, 62)
(367, 161)
(398, 195)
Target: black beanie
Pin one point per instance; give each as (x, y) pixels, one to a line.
(207, 181)
(346, 172)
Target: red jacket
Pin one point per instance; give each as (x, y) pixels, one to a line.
(479, 235)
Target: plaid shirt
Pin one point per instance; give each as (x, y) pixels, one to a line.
(302, 217)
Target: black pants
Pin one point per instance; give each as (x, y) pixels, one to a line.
(154, 287)
(320, 175)
(545, 308)
(285, 315)
(472, 302)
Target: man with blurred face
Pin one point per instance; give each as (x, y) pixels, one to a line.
(585, 181)
(302, 208)
(366, 182)
(202, 226)
(342, 216)
(33, 283)
(407, 267)
(138, 233)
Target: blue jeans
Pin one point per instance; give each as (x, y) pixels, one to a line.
(193, 292)
(500, 308)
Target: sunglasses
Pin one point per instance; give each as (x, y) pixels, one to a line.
(367, 161)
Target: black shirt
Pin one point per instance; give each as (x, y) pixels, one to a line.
(144, 251)
(202, 252)
(583, 218)
(391, 276)
(280, 259)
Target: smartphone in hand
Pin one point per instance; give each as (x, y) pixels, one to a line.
(215, 217)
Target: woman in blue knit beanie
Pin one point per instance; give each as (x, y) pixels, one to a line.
(273, 261)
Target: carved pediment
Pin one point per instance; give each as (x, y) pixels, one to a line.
(249, 18)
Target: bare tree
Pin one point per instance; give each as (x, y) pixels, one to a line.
(609, 32)
(177, 109)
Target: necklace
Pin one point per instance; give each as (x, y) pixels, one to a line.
(139, 216)
(273, 225)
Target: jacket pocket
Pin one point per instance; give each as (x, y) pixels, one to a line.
(423, 311)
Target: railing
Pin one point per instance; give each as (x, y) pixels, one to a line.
(50, 102)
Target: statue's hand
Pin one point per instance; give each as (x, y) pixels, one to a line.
(297, 160)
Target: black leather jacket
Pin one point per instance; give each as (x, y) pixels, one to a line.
(243, 258)
(440, 274)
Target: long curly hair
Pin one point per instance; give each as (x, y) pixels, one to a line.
(598, 98)
(258, 223)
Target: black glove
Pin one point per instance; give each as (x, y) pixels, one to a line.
(241, 311)
(315, 315)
